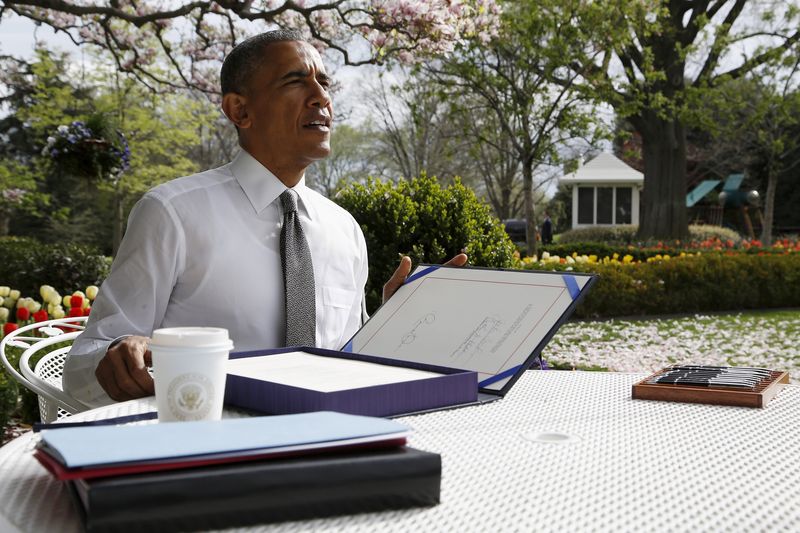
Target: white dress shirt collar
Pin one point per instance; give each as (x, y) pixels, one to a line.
(262, 187)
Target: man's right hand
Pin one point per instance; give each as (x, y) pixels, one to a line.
(123, 371)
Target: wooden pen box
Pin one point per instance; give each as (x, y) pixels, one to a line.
(759, 397)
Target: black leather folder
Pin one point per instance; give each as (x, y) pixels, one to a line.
(256, 492)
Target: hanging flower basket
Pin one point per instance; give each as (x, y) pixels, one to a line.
(90, 149)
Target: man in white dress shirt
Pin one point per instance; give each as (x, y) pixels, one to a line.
(203, 250)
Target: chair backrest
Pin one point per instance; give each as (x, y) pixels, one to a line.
(45, 340)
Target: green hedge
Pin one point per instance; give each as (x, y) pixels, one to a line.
(627, 234)
(26, 264)
(426, 221)
(703, 283)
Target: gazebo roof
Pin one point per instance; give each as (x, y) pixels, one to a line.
(605, 168)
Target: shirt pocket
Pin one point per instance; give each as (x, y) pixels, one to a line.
(337, 305)
(338, 297)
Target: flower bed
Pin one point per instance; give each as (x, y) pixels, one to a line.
(674, 248)
(689, 283)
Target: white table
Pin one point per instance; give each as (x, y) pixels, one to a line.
(626, 465)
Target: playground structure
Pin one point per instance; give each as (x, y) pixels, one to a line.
(733, 207)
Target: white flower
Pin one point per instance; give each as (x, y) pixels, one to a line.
(44, 290)
(4, 291)
(14, 294)
(91, 292)
(50, 141)
(63, 130)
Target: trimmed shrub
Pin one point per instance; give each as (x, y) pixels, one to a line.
(704, 232)
(605, 234)
(425, 221)
(702, 283)
(27, 263)
(627, 234)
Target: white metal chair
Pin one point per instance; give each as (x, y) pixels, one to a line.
(44, 378)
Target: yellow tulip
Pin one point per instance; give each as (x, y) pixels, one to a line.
(66, 300)
(3, 314)
(53, 298)
(91, 292)
(86, 303)
(44, 290)
(79, 293)
(58, 312)
(14, 293)
(4, 291)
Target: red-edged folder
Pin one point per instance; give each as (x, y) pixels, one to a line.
(63, 473)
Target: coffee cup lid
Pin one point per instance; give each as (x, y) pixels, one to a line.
(191, 336)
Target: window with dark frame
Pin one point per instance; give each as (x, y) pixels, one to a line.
(585, 205)
(624, 205)
(605, 205)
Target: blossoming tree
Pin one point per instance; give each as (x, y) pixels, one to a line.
(193, 36)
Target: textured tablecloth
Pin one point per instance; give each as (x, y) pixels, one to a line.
(564, 451)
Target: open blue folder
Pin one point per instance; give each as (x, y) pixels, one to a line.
(98, 446)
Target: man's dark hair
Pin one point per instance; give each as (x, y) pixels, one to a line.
(245, 58)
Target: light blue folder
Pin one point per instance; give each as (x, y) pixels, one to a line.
(94, 446)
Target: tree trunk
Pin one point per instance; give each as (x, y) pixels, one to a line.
(5, 221)
(530, 215)
(664, 214)
(769, 206)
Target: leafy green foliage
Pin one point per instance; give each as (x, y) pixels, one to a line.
(27, 264)
(425, 221)
(165, 135)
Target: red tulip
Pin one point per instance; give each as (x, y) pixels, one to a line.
(76, 301)
(23, 314)
(75, 311)
(8, 327)
(87, 310)
(40, 315)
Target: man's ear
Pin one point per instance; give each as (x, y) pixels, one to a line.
(235, 108)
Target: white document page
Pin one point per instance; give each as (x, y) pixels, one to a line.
(320, 373)
(488, 321)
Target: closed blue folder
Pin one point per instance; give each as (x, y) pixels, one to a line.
(95, 446)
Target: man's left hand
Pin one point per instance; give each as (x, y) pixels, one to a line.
(404, 269)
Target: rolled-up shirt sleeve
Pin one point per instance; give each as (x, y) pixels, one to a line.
(134, 297)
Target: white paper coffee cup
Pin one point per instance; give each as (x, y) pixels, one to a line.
(189, 370)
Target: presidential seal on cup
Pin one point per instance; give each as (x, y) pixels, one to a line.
(189, 370)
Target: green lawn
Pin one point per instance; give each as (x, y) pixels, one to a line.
(758, 338)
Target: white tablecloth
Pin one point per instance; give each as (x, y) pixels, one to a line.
(564, 451)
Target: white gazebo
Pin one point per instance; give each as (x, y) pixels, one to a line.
(605, 192)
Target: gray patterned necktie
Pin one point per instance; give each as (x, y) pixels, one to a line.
(298, 277)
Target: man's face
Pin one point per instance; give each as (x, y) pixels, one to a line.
(289, 109)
